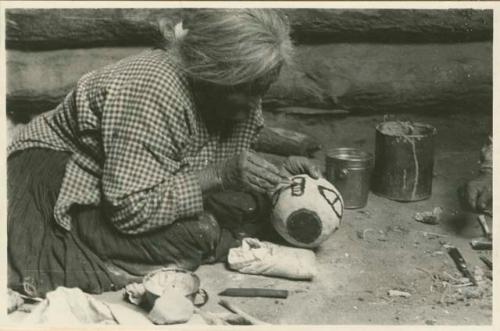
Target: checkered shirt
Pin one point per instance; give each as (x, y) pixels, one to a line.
(135, 139)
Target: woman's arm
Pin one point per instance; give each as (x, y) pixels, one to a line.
(143, 183)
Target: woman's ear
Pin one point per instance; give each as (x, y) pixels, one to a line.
(165, 27)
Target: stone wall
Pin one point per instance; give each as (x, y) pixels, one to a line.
(355, 60)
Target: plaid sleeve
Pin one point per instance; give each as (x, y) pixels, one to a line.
(143, 128)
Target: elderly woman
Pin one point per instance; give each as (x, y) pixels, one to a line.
(148, 161)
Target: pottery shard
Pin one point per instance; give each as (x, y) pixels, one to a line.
(285, 142)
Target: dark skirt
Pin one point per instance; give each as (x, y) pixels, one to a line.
(94, 256)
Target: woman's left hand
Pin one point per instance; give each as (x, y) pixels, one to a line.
(298, 165)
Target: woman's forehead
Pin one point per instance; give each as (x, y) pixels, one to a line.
(261, 83)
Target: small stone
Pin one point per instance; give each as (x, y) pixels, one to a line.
(430, 322)
(364, 212)
(464, 280)
(472, 292)
(429, 217)
(478, 274)
(363, 234)
(396, 293)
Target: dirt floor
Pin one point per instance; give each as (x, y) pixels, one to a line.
(396, 252)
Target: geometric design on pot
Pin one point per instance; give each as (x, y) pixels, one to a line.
(332, 199)
(304, 225)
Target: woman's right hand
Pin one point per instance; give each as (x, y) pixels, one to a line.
(248, 170)
(476, 195)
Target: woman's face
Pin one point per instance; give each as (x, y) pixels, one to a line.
(227, 105)
(233, 103)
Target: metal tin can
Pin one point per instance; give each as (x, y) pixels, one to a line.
(349, 169)
(404, 159)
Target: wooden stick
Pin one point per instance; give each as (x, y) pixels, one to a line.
(443, 295)
(426, 233)
(426, 271)
(481, 244)
(211, 318)
(240, 312)
(255, 292)
(486, 230)
(487, 261)
(28, 298)
(461, 264)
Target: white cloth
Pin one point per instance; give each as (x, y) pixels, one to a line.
(71, 306)
(265, 258)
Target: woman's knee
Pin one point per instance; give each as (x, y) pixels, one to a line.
(234, 209)
(206, 229)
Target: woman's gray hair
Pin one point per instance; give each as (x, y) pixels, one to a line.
(232, 46)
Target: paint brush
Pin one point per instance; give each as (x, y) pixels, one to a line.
(460, 263)
(484, 225)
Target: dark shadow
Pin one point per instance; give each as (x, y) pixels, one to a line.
(462, 224)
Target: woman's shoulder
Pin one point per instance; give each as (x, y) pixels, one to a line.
(149, 79)
(150, 61)
(155, 62)
(151, 70)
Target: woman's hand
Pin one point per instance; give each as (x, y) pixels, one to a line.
(250, 171)
(298, 165)
(476, 195)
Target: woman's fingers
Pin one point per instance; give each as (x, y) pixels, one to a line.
(284, 172)
(265, 170)
(258, 185)
(264, 164)
(471, 196)
(312, 170)
(263, 176)
(297, 165)
(483, 199)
